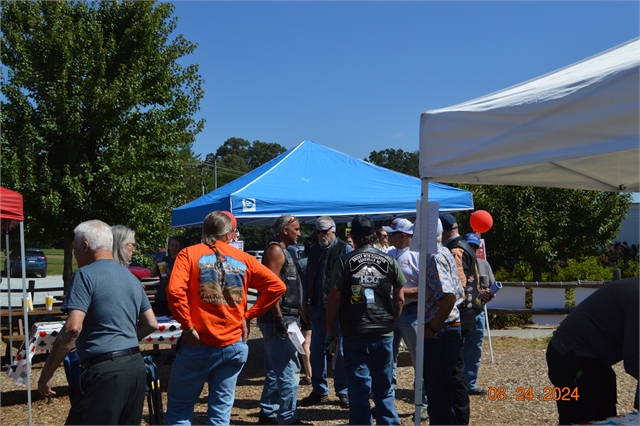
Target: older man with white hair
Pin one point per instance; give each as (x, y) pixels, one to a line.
(322, 257)
(108, 314)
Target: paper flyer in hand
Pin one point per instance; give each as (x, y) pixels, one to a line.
(296, 337)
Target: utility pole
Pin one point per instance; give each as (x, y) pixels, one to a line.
(202, 178)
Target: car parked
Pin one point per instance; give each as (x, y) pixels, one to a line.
(256, 253)
(35, 262)
(139, 271)
(296, 251)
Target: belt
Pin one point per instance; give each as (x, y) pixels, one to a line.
(110, 356)
(406, 305)
(446, 325)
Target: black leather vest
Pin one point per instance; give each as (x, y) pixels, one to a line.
(291, 300)
(472, 298)
(315, 251)
(366, 307)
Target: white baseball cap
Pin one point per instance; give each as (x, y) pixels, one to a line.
(400, 225)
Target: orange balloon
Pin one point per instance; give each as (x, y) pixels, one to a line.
(481, 221)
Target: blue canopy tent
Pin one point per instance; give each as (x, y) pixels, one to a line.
(311, 180)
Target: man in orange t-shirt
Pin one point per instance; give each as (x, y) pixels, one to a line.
(207, 294)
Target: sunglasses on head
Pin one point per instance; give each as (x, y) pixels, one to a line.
(293, 219)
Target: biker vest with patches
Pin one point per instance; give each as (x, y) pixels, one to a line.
(366, 307)
(472, 298)
(291, 300)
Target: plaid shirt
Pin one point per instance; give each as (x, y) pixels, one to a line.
(442, 278)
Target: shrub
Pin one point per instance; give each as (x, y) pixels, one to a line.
(587, 269)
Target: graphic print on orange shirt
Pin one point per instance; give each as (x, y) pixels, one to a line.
(221, 280)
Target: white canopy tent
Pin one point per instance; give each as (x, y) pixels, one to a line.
(577, 127)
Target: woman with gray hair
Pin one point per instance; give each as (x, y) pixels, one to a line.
(124, 244)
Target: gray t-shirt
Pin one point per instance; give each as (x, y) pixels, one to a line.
(485, 269)
(604, 326)
(112, 298)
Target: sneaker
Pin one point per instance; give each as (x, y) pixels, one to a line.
(305, 381)
(477, 391)
(343, 400)
(312, 399)
(264, 420)
(424, 415)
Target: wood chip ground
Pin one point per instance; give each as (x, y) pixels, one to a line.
(519, 363)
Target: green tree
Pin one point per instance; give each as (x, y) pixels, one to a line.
(542, 226)
(98, 115)
(396, 159)
(539, 226)
(234, 158)
(237, 156)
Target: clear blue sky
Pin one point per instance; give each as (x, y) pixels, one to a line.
(355, 76)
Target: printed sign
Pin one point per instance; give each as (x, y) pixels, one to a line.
(248, 204)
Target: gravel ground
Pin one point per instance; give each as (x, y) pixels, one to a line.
(518, 363)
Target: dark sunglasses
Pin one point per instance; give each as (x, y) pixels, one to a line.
(321, 231)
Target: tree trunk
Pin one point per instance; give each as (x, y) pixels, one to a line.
(68, 263)
(536, 268)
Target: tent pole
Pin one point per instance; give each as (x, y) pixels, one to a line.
(8, 262)
(422, 293)
(25, 318)
(486, 322)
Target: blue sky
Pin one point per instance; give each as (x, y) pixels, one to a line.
(355, 76)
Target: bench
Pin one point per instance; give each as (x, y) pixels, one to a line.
(15, 333)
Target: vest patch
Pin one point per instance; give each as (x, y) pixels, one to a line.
(368, 269)
(357, 298)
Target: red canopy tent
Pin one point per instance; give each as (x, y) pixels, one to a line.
(10, 207)
(12, 215)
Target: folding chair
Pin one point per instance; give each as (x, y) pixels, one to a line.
(154, 395)
(73, 371)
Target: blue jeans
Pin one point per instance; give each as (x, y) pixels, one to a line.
(219, 367)
(369, 365)
(473, 351)
(318, 357)
(440, 355)
(405, 329)
(282, 374)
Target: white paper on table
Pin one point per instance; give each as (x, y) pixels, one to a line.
(296, 337)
